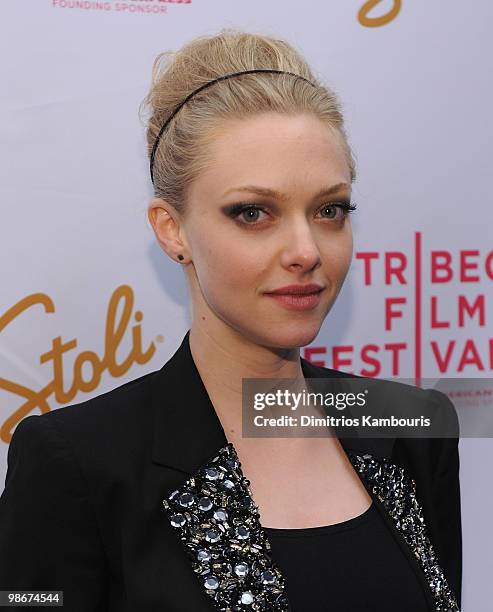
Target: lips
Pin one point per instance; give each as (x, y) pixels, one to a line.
(297, 301)
(308, 289)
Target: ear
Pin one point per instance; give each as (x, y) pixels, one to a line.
(168, 228)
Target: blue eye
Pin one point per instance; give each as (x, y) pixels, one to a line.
(251, 211)
(345, 207)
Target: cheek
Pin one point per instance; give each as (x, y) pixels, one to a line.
(336, 257)
(225, 268)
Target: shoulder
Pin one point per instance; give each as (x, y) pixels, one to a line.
(428, 451)
(435, 400)
(127, 402)
(94, 433)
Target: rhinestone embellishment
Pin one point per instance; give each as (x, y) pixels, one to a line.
(397, 492)
(218, 524)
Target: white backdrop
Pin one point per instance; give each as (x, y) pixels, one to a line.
(80, 266)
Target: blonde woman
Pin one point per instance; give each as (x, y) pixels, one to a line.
(148, 497)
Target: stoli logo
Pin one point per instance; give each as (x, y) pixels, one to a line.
(375, 22)
(115, 330)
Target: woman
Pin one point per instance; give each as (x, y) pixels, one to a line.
(148, 497)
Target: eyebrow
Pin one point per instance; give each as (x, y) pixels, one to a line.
(265, 191)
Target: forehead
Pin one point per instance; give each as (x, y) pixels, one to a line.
(282, 152)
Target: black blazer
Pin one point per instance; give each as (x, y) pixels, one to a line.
(100, 502)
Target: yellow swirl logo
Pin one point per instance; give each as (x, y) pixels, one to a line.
(375, 22)
(114, 332)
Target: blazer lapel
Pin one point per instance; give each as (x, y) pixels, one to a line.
(215, 516)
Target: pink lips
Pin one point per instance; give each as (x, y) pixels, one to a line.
(297, 297)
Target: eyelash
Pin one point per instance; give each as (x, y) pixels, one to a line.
(236, 210)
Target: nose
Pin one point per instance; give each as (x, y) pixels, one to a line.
(300, 250)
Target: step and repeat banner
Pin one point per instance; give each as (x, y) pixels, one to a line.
(88, 299)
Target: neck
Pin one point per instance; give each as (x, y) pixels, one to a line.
(224, 357)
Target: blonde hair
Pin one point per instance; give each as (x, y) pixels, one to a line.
(182, 153)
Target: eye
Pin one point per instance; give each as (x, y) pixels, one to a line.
(251, 214)
(345, 208)
(247, 214)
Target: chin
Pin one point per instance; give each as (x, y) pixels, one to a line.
(294, 335)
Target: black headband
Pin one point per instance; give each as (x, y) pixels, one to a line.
(221, 78)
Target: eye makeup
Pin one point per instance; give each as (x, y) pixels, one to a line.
(235, 210)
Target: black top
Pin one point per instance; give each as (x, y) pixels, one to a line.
(82, 511)
(355, 565)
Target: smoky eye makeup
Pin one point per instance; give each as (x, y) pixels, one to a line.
(234, 211)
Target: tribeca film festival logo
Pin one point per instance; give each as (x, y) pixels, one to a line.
(115, 331)
(443, 317)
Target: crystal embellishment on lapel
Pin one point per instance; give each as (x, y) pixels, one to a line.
(397, 492)
(218, 523)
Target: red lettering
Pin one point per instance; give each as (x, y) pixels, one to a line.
(367, 358)
(442, 363)
(488, 265)
(394, 349)
(336, 359)
(434, 320)
(315, 350)
(441, 271)
(396, 269)
(367, 257)
(470, 356)
(469, 309)
(465, 265)
(390, 313)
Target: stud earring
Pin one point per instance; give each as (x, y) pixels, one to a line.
(180, 257)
